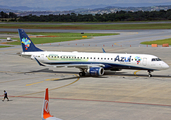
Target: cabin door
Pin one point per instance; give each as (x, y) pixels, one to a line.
(42, 56)
(144, 61)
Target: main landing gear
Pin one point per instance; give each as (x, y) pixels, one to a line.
(82, 74)
(149, 73)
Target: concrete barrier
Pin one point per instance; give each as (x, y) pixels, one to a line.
(165, 45)
(154, 45)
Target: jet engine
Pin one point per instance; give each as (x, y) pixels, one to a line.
(95, 71)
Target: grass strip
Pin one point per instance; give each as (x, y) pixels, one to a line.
(159, 42)
(4, 46)
(59, 37)
(91, 27)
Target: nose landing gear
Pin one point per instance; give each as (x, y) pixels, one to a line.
(149, 73)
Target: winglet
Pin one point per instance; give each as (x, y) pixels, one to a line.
(45, 110)
(103, 50)
(39, 62)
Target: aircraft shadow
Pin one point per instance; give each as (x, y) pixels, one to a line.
(113, 73)
(46, 70)
(133, 75)
(66, 79)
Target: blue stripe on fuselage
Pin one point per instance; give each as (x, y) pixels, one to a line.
(108, 66)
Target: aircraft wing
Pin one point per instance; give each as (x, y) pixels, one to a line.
(84, 66)
(80, 66)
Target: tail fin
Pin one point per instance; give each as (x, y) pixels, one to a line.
(26, 43)
(45, 110)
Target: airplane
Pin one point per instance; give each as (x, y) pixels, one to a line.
(45, 110)
(93, 64)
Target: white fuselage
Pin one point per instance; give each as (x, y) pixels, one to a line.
(110, 60)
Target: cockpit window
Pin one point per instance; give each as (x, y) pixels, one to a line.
(155, 59)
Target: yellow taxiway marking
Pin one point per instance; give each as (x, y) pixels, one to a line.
(116, 44)
(52, 79)
(135, 73)
(42, 81)
(67, 84)
(34, 83)
(18, 80)
(53, 88)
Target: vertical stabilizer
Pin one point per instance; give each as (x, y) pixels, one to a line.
(45, 110)
(26, 43)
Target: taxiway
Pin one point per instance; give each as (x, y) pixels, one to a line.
(126, 94)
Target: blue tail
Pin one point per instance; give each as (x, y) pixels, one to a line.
(26, 43)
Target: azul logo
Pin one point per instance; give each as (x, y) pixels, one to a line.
(123, 59)
(26, 42)
(46, 107)
(138, 59)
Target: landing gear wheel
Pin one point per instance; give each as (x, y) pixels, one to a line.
(81, 74)
(149, 73)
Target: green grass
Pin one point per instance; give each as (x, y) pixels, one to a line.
(73, 34)
(45, 40)
(61, 37)
(159, 42)
(91, 27)
(4, 46)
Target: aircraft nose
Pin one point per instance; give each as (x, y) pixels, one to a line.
(166, 66)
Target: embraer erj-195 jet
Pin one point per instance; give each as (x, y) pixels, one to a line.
(93, 64)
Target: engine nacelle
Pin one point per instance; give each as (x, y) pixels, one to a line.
(95, 71)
